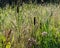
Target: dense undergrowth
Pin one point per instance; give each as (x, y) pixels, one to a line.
(21, 30)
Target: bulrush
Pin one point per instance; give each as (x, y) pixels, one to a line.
(44, 33)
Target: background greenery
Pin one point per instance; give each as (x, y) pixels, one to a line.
(30, 26)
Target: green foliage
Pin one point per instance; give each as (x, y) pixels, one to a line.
(2, 40)
(45, 33)
(8, 45)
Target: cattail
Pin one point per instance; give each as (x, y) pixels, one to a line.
(17, 9)
(34, 20)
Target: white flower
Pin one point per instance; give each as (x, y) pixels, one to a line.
(44, 33)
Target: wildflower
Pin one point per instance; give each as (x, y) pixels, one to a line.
(44, 33)
(31, 42)
(31, 39)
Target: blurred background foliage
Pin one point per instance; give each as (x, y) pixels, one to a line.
(30, 25)
(20, 2)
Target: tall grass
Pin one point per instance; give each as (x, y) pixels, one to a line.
(45, 33)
